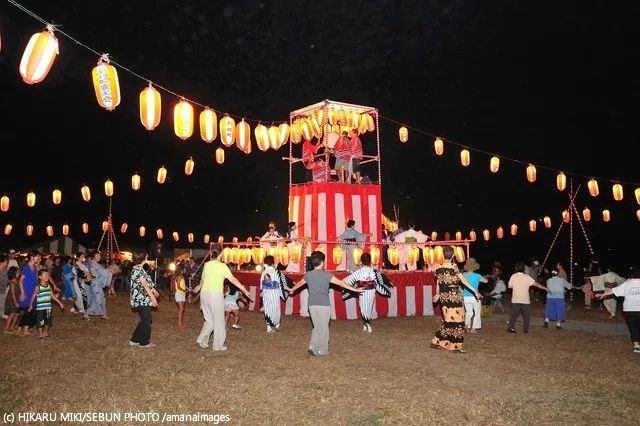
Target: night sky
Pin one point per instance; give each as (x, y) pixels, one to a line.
(553, 83)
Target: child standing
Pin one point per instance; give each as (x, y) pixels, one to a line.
(180, 293)
(12, 304)
(231, 308)
(271, 293)
(43, 297)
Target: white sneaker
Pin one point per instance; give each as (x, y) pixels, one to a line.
(364, 328)
(202, 345)
(369, 329)
(148, 345)
(277, 326)
(131, 343)
(270, 329)
(224, 348)
(236, 326)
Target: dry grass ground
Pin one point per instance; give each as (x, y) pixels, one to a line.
(390, 376)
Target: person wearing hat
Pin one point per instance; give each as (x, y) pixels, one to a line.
(12, 259)
(471, 303)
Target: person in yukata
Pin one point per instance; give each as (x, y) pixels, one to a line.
(101, 280)
(351, 238)
(410, 236)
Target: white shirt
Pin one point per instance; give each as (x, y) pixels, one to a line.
(630, 290)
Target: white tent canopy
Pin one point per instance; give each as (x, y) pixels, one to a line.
(61, 245)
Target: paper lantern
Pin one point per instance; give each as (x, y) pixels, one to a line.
(532, 225)
(404, 134)
(637, 194)
(142, 231)
(85, 228)
(434, 236)
(183, 120)
(305, 128)
(531, 173)
(472, 235)
(188, 166)
(357, 253)
(159, 234)
(226, 255)
(593, 187)
(375, 255)
(190, 237)
(105, 225)
(617, 192)
(220, 239)
(332, 116)
(336, 255)
(392, 255)
(547, 221)
(465, 157)
(514, 230)
(4, 203)
(206, 238)
(371, 124)
(413, 255)
(586, 214)
(150, 107)
(31, 199)
(438, 254)
(262, 137)
(208, 125)
(283, 131)
(486, 235)
(135, 182)
(258, 254)
(566, 217)
(274, 137)
(284, 255)
(561, 181)
(494, 164)
(7, 229)
(56, 196)
(428, 255)
(65, 229)
(438, 146)
(316, 128)
(219, 155)
(638, 214)
(106, 84)
(108, 188)
(49, 231)
(243, 136)
(459, 254)
(86, 193)
(235, 254)
(162, 175)
(175, 236)
(500, 232)
(458, 235)
(227, 130)
(606, 215)
(38, 56)
(295, 252)
(29, 230)
(124, 227)
(295, 134)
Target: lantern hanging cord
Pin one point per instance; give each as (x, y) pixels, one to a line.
(503, 157)
(57, 29)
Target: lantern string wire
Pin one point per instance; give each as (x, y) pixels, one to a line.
(504, 157)
(57, 29)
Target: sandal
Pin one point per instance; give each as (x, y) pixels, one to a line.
(434, 346)
(460, 351)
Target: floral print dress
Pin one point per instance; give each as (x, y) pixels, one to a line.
(450, 336)
(138, 295)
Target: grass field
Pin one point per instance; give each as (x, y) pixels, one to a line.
(388, 377)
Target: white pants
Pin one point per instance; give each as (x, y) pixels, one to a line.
(212, 305)
(610, 304)
(471, 313)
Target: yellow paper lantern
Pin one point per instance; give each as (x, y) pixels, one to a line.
(159, 233)
(227, 130)
(514, 230)
(85, 228)
(243, 136)
(262, 137)
(108, 188)
(459, 254)
(258, 254)
(284, 255)
(375, 255)
(428, 255)
(175, 235)
(593, 187)
(404, 134)
(190, 237)
(106, 84)
(4, 203)
(105, 225)
(38, 56)
(183, 120)
(85, 192)
(637, 194)
(638, 214)
(283, 131)
(392, 255)
(206, 238)
(413, 255)
(31, 199)
(458, 235)
(561, 181)
(465, 157)
(617, 192)
(235, 255)
(305, 128)
(219, 155)
(494, 164)
(56, 196)
(486, 235)
(220, 239)
(142, 231)
(208, 125)
(606, 215)
(438, 254)
(295, 134)
(438, 146)
(124, 227)
(162, 175)
(29, 230)
(135, 182)
(7, 229)
(65, 229)
(586, 214)
(316, 128)
(357, 253)
(295, 252)
(547, 222)
(434, 236)
(531, 173)
(532, 225)
(472, 235)
(500, 232)
(566, 216)
(49, 231)
(274, 137)
(336, 255)
(188, 166)
(226, 255)
(150, 107)
(371, 124)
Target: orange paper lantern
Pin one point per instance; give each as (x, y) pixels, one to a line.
(159, 233)
(459, 254)
(566, 216)
(561, 181)
(532, 225)
(606, 215)
(188, 166)
(38, 56)
(208, 125)
(434, 236)
(31, 199)
(500, 232)
(472, 235)
(85, 192)
(183, 120)
(65, 229)
(176, 236)
(123, 228)
(29, 230)
(617, 192)
(593, 187)
(531, 173)
(547, 221)
(404, 134)
(586, 214)
(142, 231)
(162, 175)
(375, 255)
(637, 194)
(49, 231)
(219, 155)
(7, 229)
(56, 196)
(105, 225)
(486, 235)
(392, 255)
(438, 146)
(206, 238)
(336, 255)
(135, 182)
(106, 84)
(4, 203)
(514, 230)
(108, 188)
(85, 228)
(227, 130)
(150, 107)
(494, 164)
(465, 157)
(190, 237)
(243, 136)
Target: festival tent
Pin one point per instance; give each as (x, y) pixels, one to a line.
(61, 245)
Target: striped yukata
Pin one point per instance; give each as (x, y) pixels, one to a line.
(271, 293)
(365, 277)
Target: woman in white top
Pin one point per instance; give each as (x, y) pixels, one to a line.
(630, 290)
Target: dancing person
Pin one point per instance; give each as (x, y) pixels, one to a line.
(101, 279)
(519, 283)
(271, 294)
(231, 307)
(211, 288)
(12, 303)
(365, 278)
(180, 294)
(28, 283)
(608, 280)
(309, 151)
(318, 282)
(342, 152)
(142, 296)
(41, 300)
(630, 290)
(67, 277)
(450, 335)
(356, 154)
(556, 308)
(352, 238)
(80, 288)
(472, 305)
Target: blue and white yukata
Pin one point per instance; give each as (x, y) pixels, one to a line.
(272, 292)
(102, 279)
(371, 281)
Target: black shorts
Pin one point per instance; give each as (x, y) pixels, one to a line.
(355, 165)
(28, 318)
(44, 318)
